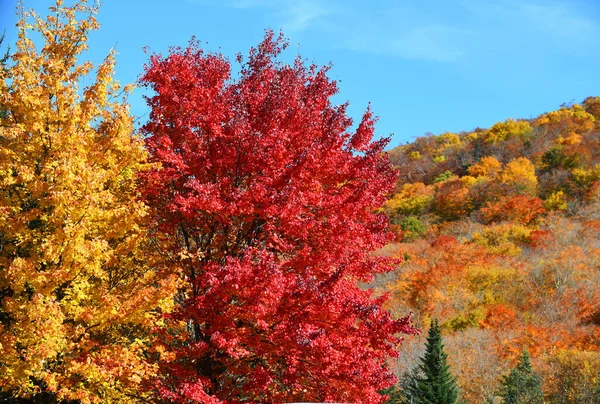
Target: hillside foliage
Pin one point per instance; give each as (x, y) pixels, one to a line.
(499, 231)
(249, 244)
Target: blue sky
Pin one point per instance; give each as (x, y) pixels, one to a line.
(425, 66)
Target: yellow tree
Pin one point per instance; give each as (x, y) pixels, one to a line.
(519, 174)
(486, 167)
(76, 293)
(501, 131)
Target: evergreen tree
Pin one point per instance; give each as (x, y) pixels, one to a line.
(522, 385)
(394, 393)
(4, 58)
(400, 393)
(435, 385)
(3, 70)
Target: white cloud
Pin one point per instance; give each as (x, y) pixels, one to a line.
(301, 14)
(559, 19)
(294, 15)
(252, 3)
(434, 43)
(406, 30)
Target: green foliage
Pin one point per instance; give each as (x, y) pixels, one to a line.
(467, 319)
(552, 158)
(3, 70)
(413, 227)
(555, 158)
(395, 394)
(6, 55)
(436, 385)
(556, 201)
(400, 392)
(446, 175)
(522, 385)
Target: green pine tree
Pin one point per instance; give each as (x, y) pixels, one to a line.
(3, 61)
(522, 385)
(435, 385)
(4, 58)
(400, 392)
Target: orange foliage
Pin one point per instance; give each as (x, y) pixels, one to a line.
(540, 238)
(525, 268)
(445, 242)
(452, 200)
(486, 167)
(432, 275)
(592, 106)
(520, 208)
(589, 310)
(593, 193)
(499, 316)
(567, 119)
(572, 138)
(537, 339)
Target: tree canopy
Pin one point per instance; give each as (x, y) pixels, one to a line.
(265, 203)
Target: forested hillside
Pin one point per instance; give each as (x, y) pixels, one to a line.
(499, 232)
(235, 248)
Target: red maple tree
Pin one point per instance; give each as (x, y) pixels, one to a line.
(265, 203)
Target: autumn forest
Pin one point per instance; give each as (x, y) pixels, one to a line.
(250, 242)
